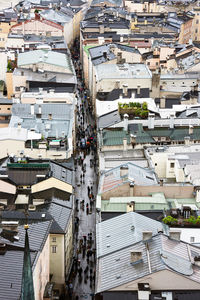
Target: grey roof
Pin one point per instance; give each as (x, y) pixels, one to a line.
(38, 233)
(112, 2)
(62, 173)
(11, 273)
(140, 176)
(61, 123)
(56, 16)
(109, 119)
(45, 56)
(12, 261)
(123, 231)
(61, 213)
(115, 269)
(47, 77)
(120, 71)
(5, 101)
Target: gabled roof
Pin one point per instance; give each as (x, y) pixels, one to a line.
(44, 56)
(12, 261)
(124, 231)
(113, 178)
(61, 212)
(115, 269)
(37, 18)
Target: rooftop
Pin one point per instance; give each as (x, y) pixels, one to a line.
(131, 173)
(44, 56)
(124, 231)
(122, 71)
(115, 269)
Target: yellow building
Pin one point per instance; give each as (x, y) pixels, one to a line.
(196, 25)
(61, 242)
(4, 31)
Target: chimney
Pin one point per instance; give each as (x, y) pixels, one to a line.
(131, 185)
(19, 125)
(175, 234)
(125, 90)
(138, 89)
(191, 129)
(144, 291)
(146, 235)
(32, 109)
(105, 54)
(171, 125)
(161, 182)
(119, 57)
(39, 109)
(187, 140)
(101, 29)
(50, 116)
(130, 206)
(126, 122)
(136, 257)
(133, 139)
(124, 144)
(121, 39)
(124, 171)
(162, 102)
(151, 119)
(10, 225)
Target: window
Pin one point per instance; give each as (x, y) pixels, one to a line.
(53, 249)
(197, 21)
(196, 30)
(54, 239)
(171, 165)
(156, 63)
(192, 239)
(8, 108)
(155, 164)
(17, 88)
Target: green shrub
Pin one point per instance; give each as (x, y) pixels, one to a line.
(169, 220)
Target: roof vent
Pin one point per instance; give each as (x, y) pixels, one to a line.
(43, 215)
(146, 235)
(31, 207)
(175, 234)
(108, 245)
(136, 257)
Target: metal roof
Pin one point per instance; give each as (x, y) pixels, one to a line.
(112, 179)
(114, 269)
(61, 214)
(123, 231)
(125, 70)
(44, 56)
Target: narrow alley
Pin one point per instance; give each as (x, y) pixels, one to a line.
(82, 285)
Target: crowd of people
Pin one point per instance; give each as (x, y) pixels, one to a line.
(83, 269)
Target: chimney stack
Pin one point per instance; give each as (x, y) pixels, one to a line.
(138, 89)
(126, 122)
(191, 129)
(130, 206)
(125, 90)
(171, 125)
(175, 234)
(162, 102)
(151, 119)
(125, 144)
(32, 109)
(187, 140)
